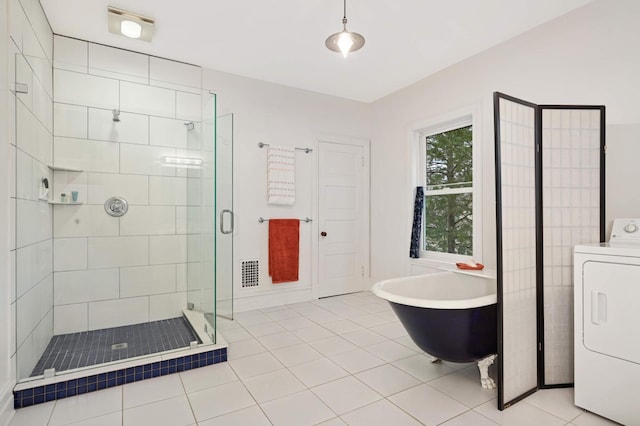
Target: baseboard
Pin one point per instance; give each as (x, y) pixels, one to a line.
(6, 404)
(267, 300)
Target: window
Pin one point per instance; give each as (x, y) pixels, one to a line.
(447, 174)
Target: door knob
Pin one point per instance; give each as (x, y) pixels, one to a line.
(323, 234)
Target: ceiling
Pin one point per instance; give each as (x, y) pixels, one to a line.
(282, 41)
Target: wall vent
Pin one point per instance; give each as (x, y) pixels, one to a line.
(250, 273)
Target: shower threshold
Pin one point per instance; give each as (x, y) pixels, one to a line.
(78, 363)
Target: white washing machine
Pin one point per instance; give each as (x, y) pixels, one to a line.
(607, 324)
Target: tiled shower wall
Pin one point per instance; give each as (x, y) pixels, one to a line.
(116, 271)
(31, 56)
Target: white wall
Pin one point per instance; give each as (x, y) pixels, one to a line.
(586, 57)
(277, 115)
(118, 271)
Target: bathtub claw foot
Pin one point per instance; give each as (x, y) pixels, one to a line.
(483, 365)
(432, 358)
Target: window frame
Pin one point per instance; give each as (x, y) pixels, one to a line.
(443, 124)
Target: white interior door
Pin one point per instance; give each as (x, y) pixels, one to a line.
(343, 206)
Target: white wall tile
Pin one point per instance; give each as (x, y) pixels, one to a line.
(82, 154)
(167, 249)
(42, 106)
(70, 120)
(168, 132)
(12, 275)
(30, 43)
(132, 128)
(147, 280)
(164, 72)
(165, 306)
(147, 100)
(12, 335)
(33, 222)
(11, 118)
(188, 106)
(13, 223)
(24, 269)
(70, 318)
(42, 260)
(115, 313)
(118, 63)
(145, 160)
(83, 221)
(70, 54)
(24, 167)
(181, 277)
(34, 345)
(69, 254)
(43, 73)
(41, 28)
(32, 137)
(16, 21)
(82, 89)
(26, 129)
(32, 307)
(44, 144)
(171, 191)
(86, 286)
(134, 188)
(12, 158)
(109, 252)
(24, 75)
(194, 248)
(181, 220)
(148, 220)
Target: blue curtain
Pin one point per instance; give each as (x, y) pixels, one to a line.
(418, 206)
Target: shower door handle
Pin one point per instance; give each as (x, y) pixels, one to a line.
(222, 230)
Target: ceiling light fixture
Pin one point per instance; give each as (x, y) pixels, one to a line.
(344, 42)
(129, 24)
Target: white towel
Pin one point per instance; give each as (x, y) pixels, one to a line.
(281, 171)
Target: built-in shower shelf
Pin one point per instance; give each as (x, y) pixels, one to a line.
(64, 169)
(66, 203)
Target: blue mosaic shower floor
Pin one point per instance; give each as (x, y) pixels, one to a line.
(75, 350)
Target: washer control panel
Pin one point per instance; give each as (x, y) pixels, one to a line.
(625, 230)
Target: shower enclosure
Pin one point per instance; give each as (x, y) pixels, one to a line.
(103, 283)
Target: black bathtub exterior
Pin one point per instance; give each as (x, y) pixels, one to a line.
(456, 335)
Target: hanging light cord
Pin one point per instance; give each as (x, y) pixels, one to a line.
(344, 16)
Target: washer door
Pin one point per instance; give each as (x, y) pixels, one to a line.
(611, 318)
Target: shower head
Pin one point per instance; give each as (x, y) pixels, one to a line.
(116, 115)
(190, 125)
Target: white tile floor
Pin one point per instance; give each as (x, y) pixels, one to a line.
(336, 361)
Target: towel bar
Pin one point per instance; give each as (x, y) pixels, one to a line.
(305, 220)
(306, 150)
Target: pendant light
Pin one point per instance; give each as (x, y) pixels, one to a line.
(344, 42)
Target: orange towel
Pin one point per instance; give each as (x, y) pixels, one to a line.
(284, 250)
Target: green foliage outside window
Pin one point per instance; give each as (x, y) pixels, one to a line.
(448, 195)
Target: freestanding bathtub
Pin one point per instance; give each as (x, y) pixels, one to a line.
(450, 315)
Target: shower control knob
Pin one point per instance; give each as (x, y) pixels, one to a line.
(630, 228)
(116, 206)
(323, 234)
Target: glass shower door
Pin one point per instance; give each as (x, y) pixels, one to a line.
(224, 215)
